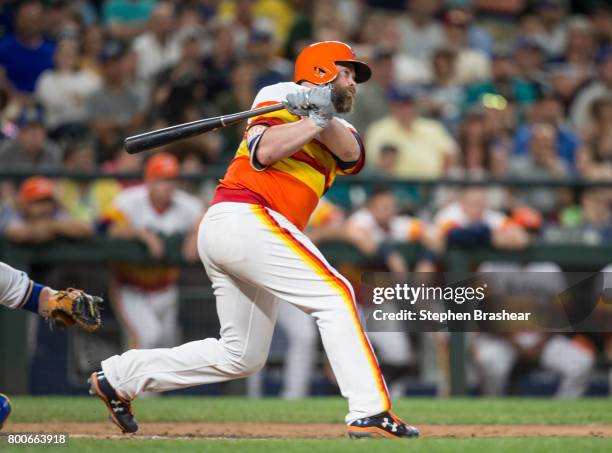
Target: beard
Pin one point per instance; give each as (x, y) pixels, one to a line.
(342, 98)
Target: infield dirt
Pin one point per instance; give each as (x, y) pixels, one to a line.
(254, 430)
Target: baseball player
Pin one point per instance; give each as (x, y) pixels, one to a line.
(256, 255)
(145, 296)
(66, 308)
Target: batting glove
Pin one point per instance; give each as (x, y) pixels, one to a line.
(322, 108)
(314, 102)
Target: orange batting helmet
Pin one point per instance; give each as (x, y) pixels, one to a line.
(317, 63)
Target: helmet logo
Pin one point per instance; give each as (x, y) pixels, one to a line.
(321, 72)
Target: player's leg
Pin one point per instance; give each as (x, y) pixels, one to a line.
(167, 309)
(393, 349)
(301, 332)
(247, 316)
(277, 256)
(137, 316)
(573, 361)
(494, 358)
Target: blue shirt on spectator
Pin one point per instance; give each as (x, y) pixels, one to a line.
(24, 64)
(567, 143)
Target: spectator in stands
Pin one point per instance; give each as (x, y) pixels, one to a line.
(92, 43)
(30, 149)
(158, 48)
(504, 82)
(575, 67)
(62, 91)
(115, 110)
(443, 98)
(552, 34)
(601, 19)
(478, 37)
(549, 110)
(182, 86)
(85, 200)
(530, 63)
(421, 34)
(269, 68)
(237, 99)
(471, 65)
(242, 19)
(483, 154)
(39, 218)
(425, 149)
(542, 162)
(590, 222)
(126, 19)
(596, 154)
(220, 61)
(601, 86)
(372, 103)
(25, 54)
(146, 296)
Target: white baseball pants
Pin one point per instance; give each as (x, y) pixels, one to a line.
(255, 258)
(150, 318)
(495, 357)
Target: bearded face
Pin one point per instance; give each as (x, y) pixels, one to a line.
(342, 97)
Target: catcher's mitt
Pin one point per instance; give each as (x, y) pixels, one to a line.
(73, 306)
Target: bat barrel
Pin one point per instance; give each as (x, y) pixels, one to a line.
(154, 139)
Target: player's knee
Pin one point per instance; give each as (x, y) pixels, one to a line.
(246, 364)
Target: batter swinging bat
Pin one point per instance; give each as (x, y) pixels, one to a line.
(160, 137)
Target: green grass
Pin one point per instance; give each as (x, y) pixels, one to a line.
(499, 445)
(322, 410)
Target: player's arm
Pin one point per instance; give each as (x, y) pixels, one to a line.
(269, 144)
(76, 229)
(150, 239)
(25, 232)
(342, 142)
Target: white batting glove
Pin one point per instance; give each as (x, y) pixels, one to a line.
(315, 103)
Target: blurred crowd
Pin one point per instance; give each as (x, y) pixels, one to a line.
(460, 89)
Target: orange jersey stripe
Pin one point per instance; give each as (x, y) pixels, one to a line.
(293, 185)
(338, 284)
(283, 192)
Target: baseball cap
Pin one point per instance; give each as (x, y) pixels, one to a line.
(402, 94)
(162, 166)
(604, 54)
(527, 43)
(36, 188)
(30, 115)
(112, 50)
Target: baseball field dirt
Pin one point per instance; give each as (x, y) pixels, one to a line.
(268, 425)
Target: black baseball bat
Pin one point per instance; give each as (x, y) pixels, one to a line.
(149, 140)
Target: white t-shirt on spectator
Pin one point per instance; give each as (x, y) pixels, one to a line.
(153, 56)
(63, 95)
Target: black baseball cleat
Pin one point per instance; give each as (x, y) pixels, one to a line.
(385, 425)
(119, 409)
